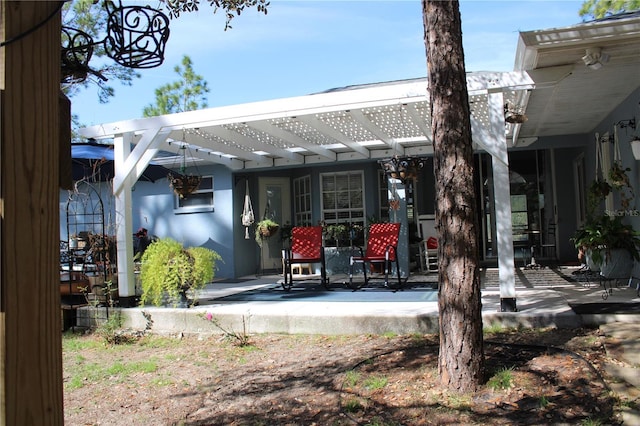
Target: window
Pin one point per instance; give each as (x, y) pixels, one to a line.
(580, 190)
(302, 201)
(343, 198)
(200, 200)
(383, 196)
(519, 217)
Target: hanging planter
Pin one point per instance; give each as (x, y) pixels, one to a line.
(136, 35)
(266, 228)
(247, 213)
(405, 169)
(184, 185)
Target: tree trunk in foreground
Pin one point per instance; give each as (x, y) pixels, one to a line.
(461, 359)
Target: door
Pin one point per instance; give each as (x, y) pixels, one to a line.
(274, 203)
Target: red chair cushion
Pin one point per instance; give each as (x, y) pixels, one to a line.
(382, 236)
(306, 243)
(432, 243)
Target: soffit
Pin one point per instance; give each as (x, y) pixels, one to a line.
(571, 98)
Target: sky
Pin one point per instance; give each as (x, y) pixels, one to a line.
(302, 47)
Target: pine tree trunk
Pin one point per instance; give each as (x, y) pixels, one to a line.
(461, 360)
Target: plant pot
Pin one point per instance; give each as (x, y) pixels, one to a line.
(617, 263)
(593, 266)
(267, 231)
(184, 185)
(635, 148)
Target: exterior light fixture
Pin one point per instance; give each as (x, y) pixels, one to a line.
(513, 114)
(595, 58)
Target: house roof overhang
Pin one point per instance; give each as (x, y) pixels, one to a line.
(550, 84)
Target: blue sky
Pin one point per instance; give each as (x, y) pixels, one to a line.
(302, 47)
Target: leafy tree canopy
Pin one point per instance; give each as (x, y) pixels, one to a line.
(186, 94)
(598, 9)
(232, 8)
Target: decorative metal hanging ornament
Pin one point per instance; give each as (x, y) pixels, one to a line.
(404, 169)
(136, 38)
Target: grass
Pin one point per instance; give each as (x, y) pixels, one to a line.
(351, 378)
(118, 371)
(543, 402)
(352, 405)
(503, 379)
(375, 382)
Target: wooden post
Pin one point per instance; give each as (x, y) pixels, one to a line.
(30, 318)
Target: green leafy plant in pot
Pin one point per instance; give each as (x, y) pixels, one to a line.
(169, 270)
(601, 237)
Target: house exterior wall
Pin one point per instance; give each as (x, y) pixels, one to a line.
(222, 230)
(153, 209)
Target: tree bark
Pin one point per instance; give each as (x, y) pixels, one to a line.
(461, 359)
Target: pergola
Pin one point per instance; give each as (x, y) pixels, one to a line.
(552, 84)
(358, 123)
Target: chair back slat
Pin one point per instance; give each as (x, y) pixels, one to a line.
(306, 242)
(381, 236)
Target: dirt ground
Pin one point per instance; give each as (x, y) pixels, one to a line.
(539, 377)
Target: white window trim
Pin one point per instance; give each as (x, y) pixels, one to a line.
(197, 209)
(308, 213)
(364, 204)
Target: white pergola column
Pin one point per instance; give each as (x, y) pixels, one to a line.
(124, 222)
(129, 166)
(494, 141)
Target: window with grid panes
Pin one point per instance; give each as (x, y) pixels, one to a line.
(302, 201)
(383, 197)
(343, 198)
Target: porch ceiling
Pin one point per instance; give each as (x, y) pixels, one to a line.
(570, 97)
(551, 84)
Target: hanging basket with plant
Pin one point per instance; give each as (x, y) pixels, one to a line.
(169, 270)
(184, 184)
(265, 228)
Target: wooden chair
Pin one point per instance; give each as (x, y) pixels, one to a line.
(382, 247)
(428, 243)
(306, 247)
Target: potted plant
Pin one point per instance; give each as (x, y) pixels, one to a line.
(620, 181)
(336, 232)
(169, 271)
(609, 245)
(265, 229)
